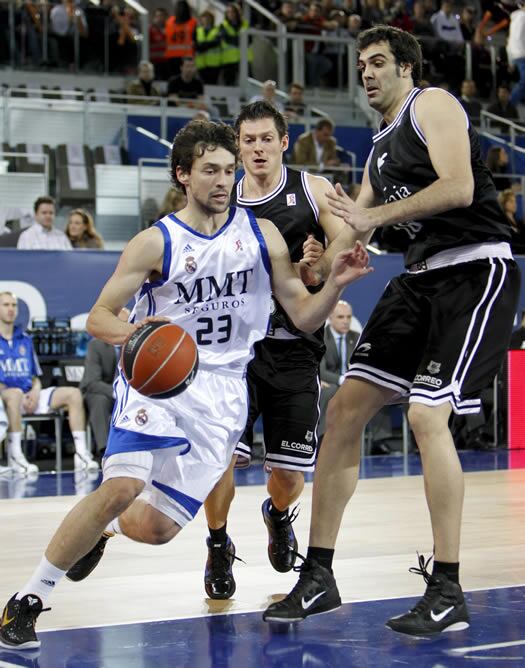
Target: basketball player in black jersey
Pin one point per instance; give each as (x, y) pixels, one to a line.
(439, 331)
(283, 377)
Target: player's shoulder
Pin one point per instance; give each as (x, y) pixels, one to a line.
(436, 100)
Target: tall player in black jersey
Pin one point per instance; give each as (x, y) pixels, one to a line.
(439, 331)
(283, 377)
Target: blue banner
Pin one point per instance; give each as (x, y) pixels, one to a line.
(66, 284)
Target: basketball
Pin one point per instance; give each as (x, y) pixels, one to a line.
(159, 360)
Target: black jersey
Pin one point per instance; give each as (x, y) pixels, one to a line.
(292, 208)
(400, 166)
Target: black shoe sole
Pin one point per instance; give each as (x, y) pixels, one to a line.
(34, 644)
(456, 626)
(221, 597)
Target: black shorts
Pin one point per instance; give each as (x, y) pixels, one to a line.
(440, 335)
(283, 387)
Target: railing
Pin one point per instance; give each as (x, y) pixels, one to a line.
(31, 39)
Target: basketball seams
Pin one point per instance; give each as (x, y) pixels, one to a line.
(193, 370)
(175, 348)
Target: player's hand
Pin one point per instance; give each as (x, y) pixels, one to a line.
(141, 323)
(344, 207)
(312, 250)
(350, 265)
(308, 275)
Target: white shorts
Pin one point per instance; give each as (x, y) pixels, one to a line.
(179, 447)
(44, 401)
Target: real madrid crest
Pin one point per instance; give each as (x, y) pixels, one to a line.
(191, 265)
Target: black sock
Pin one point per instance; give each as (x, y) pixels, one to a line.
(451, 570)
(218, 535)
(275, 512)
(322, 555)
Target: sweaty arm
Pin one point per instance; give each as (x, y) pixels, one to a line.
(141, 257)
(309, 311)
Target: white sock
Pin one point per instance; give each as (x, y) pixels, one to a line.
(80, 442)
(43, 581)
(14, 444)
(113, 527)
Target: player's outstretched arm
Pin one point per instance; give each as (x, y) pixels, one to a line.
(309, 311)
(141, 257)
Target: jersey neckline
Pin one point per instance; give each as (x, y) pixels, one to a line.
(247, 202)
(189, 229)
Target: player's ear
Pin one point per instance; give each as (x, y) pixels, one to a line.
(284, 143)
(182, 176)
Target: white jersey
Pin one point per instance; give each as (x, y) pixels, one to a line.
(217, 288)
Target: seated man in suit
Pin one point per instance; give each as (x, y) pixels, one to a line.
(317, 147)
(100, 369)
(340, 341)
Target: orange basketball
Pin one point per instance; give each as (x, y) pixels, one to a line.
(159, 360)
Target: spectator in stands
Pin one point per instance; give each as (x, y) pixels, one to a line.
(516, 50)
(96, 385)
(125, 48)
(508, 202)
(230, 29)
(340, 341)
(42, 235)
(208, 58)
(503, 107)
(269, 94)
(354, 25)
(180, 37)
(446, 24)
(289, 15)
(469, 102)
(157, 43)
(295, 106)
(421, 24)
(317, 147)
(174, 200)
(467, 22)
(498, 163)
(517, 339)
(81, 232)
(397, 16)
(317, 65)
(22, 393)
(337, 26)
(371, 13)
(186, 89)
(68, 18)
(143, 86)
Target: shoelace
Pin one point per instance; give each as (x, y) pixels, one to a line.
(282, 526)
(220, 557)
(430, 580)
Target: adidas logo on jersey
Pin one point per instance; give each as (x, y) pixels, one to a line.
(187, 248)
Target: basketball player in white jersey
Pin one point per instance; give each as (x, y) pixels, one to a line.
(210, 269)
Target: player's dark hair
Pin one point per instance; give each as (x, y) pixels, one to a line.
(404, 46)
(256, 111)
(194, 139)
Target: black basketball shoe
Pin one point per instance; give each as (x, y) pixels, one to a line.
(282, 543)
(89, 561)
(442, 607)
(218, 576)
(18, 622)
(314, 593)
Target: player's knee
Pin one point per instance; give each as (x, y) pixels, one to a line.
(422, 420)
(288, 479)
(160, 533)
(75, 398)
(340, 414)
(118, 494)
(12, 397)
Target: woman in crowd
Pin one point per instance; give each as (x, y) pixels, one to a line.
(80, 230)
(507, 201)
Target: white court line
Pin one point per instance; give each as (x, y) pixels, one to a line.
(481, 648)
(248, 611)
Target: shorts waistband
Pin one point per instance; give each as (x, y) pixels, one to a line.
(223, 371)
(461, 254)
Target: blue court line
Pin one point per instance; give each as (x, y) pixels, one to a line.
(354, 635)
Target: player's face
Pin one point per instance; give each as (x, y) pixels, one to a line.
(382, 76)
(8, 309)
(261, 148)
(210, 182)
